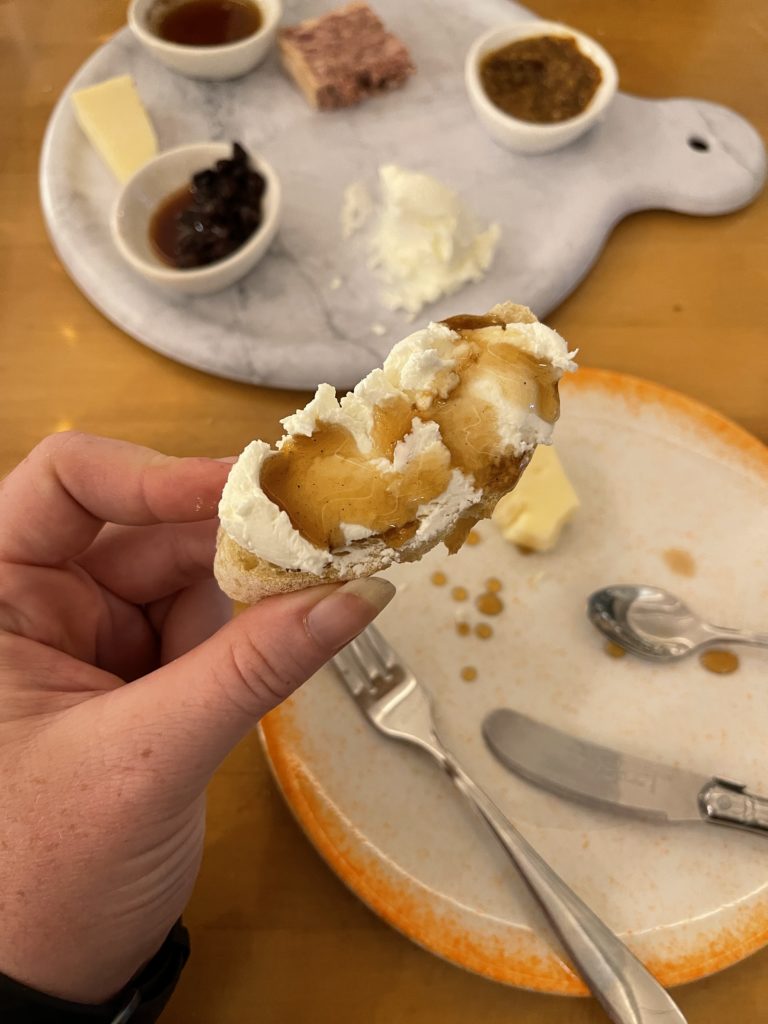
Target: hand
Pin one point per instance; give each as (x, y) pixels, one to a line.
(105, 580)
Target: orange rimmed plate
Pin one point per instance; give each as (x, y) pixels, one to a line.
(672, 494)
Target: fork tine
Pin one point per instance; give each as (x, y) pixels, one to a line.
(341, 659)
(382, 647)
(349, 669)
(366, 670)
(369, 658)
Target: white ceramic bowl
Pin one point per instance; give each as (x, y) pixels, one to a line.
(527, 136)
(208, 62)
(155, 181)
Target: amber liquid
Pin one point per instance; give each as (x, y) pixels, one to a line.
(323, 481)
(720, 662)
(163, 229)
(489, 604)
(679, 561)
(471, 322)
(209, 22)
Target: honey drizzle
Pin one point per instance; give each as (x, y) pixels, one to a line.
(459, 534)
(490, 604)
(323, 481)
(720, 662)
(471, 322)
(469, 423)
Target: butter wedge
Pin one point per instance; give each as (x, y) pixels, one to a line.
(113, 117)
(534, 514)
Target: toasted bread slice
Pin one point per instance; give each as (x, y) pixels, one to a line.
(416, 455)
(247, 578)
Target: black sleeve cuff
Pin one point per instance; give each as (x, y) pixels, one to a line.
(141, 1001)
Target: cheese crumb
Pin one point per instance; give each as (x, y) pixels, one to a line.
(356, 208)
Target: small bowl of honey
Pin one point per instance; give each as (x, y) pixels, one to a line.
(536, 86)
(197, 218)
(207, 39)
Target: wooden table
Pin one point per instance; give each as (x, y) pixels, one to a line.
(683, 301)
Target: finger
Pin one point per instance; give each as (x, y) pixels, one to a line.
(56, 608)
(145, 563)
(194, 710)
(189, 618)
(126, 644)
(56, 501)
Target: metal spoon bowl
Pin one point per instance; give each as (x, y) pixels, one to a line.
(655, 624)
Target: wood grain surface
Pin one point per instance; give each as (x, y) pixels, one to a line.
(684, 301)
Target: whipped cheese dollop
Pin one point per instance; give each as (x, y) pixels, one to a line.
(424, 242)
(422, 369)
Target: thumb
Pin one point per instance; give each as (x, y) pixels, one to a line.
(196, 708)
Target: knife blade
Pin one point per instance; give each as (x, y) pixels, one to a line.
(604, 777)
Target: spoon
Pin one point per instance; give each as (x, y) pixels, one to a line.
(655, 624)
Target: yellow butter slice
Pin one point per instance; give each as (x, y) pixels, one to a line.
(113, 117)
(534, 514)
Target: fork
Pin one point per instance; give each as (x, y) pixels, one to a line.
(395, 703)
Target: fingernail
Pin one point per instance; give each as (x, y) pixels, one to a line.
(229, 459)
(347, 611)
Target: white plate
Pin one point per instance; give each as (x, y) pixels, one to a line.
(283, 325)
(655, 471)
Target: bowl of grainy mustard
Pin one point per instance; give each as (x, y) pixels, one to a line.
(536, 86)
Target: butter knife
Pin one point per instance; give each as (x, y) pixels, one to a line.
(604, 777)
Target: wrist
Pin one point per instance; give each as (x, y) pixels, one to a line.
(86, 969)
(139, 1002)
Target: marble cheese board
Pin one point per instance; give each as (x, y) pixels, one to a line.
(286, 325)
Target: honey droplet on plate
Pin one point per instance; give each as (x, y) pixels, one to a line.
(490, 604)
(483, 630)
(720, 662)
(473, 537)
(439, 579)
(614, 650)
(493, 585)
(469, 673)
(459, 593)
(463, 628)
(679, 561)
